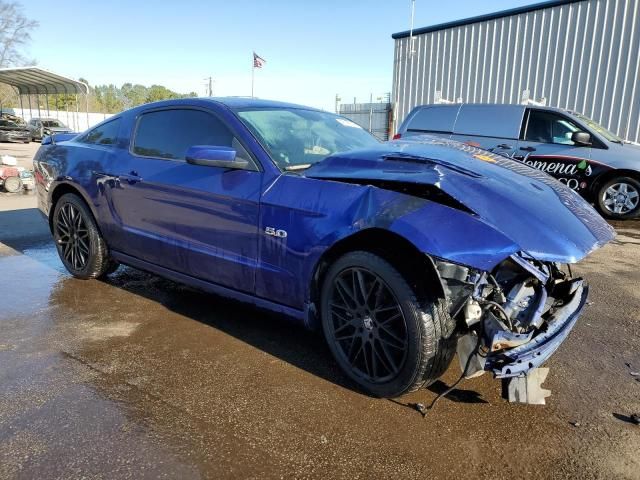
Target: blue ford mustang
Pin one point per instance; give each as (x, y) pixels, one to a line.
(402, 252)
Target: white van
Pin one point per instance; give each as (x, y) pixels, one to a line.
(567, 145)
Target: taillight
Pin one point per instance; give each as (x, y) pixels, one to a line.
(397, 136)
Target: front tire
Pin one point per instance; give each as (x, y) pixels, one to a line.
(80, 245)
(382, 335)
(619, 198)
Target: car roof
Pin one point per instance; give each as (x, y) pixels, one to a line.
(457, 105)
(249, 102)
(229, 102)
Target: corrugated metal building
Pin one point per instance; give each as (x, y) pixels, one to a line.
(581, 55)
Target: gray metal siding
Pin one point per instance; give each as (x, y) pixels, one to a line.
(582, 56)
(373, 117)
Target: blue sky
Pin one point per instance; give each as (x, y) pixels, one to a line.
(314, 49)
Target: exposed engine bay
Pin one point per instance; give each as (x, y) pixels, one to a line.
(512, 319)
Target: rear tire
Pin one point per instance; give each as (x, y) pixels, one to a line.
(80, 245)
(382, 335)
(619, 198)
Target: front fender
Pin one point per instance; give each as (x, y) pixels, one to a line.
(327, 212)
(453, 235)
(434, 229)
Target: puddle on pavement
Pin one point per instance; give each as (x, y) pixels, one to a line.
(26, 279)
(140, 372)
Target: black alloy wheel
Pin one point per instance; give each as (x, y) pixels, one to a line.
(80, 245)
(73, 236)
(384, 336)
(367, 325)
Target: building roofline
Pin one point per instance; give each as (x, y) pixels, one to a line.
(484, 18)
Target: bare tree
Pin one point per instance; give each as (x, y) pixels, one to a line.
(15, 32)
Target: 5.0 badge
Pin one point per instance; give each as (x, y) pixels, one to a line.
(275, 232)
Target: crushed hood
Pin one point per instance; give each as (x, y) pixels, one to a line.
(544, 217)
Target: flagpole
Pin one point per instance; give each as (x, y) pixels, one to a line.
(253, 70)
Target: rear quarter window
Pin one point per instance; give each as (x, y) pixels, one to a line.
(105, 134)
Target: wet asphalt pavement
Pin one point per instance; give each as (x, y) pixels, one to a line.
(139, 377)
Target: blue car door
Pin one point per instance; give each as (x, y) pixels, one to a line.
(198, 220)
(546, 145)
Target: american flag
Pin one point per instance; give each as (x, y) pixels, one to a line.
(258, 61)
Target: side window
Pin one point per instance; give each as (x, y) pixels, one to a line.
(105, 134)
(547, 127)
(170, 133)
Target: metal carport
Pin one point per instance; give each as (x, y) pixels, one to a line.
(37, 81)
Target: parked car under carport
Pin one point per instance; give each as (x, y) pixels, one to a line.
(41, 127)
(11, 131)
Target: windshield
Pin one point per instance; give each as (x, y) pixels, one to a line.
(52, 124)
(298, 138)
(592, 124)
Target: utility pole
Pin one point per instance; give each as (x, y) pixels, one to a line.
(210, 91)
(370, 112)
(411, 39)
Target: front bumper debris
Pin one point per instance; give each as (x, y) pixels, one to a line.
(514, 319)
(526, 389)
(519, 360)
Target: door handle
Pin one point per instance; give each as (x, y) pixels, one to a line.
(527, 149)
(505, 146)
(130, 178)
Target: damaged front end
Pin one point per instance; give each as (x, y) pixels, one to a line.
(513, 319)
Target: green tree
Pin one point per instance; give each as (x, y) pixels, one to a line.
(15, 33)
(158, 92)
(133, 95)
(109, 99)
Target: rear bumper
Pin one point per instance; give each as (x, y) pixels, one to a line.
(518, 361)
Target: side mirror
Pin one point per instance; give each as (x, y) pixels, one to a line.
(581, 138)
(215, 156)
